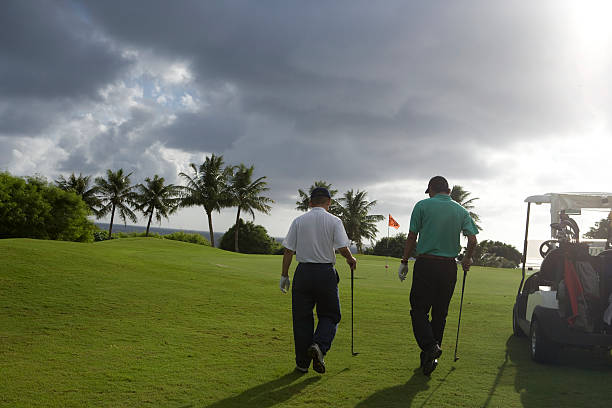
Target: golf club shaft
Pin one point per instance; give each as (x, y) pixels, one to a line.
(460, 309)
(352, 351)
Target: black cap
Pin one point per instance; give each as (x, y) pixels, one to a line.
(320, 192)
(438, 184)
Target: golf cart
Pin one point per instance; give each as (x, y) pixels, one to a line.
(568, 302)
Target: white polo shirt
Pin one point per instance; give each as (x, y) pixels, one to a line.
(315, 236)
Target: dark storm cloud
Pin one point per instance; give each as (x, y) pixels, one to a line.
(296, 163)
(203, 131)
(353, 92)
(327, 66)
(47, 51)
(21, 116)
(79, 161)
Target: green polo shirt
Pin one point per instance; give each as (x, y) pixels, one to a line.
(438, 221)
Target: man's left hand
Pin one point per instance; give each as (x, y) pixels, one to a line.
(402, 271)
(284, 284)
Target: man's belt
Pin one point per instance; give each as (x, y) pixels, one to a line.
(440, 258)
(316, 264)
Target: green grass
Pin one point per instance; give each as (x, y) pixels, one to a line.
(150, 322)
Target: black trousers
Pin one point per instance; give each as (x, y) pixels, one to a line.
(314, 285)
(433, 283)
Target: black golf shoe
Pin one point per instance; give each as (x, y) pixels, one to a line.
(317, 358)
(301, 370)
(431, 359)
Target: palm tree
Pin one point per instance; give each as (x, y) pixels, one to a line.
(304, 198)
(358, 223)
(207, 187)
(115, 193)
(157, 198)
(80, 186)
(461, 196)
(246, 195)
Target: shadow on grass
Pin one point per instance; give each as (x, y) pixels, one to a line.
(400, 395)
(580, 377)
(268, 394)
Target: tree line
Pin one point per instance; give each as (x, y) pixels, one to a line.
(211, 185)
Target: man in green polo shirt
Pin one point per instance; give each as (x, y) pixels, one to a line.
(438, 222)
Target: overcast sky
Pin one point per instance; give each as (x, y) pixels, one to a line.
(507, 99)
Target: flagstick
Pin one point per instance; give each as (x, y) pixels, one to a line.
(387, 259)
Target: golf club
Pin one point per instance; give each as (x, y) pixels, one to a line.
(460, 308)
(352, 336)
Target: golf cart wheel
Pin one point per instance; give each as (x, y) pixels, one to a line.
(542, 349)
(516, 329)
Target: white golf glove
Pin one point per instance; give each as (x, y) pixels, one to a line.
(284, 284)
(402, 271)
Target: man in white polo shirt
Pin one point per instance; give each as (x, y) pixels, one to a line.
(314, 237)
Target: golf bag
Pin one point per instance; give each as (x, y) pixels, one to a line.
(579, 296)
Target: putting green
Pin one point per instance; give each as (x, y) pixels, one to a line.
(150, 322)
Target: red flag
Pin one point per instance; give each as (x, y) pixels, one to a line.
(392, 222)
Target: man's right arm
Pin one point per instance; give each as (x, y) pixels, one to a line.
(287, 258)
(467, 258)
(350, 259)
(340, 238)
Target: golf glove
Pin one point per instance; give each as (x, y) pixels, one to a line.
(402, 271)
(284, 284)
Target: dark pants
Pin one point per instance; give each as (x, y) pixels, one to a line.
(433, 283)
(314, 285)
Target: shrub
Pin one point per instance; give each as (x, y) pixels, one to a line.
(144, 235)
(252, 239)
(277, 248)
(393, 246)
(33, 208)
(100, 235)
(192, 238)
(495, 254)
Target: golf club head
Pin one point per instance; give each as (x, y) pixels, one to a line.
(354, 354)
(456, 358)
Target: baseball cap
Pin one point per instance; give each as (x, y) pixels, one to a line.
(320, 192)
(438, 184)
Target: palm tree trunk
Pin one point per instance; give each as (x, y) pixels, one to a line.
(149, 223)
(110, 227)
(236, 231)
(210, 229)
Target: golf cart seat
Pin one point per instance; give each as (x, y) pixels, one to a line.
(551, 270)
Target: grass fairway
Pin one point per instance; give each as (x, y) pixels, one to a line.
(150, 322)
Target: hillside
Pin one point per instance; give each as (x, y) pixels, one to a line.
(149, 322)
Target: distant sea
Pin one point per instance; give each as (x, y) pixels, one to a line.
(119, 227)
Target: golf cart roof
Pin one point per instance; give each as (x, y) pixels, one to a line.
(571, 201)
(574, 201)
